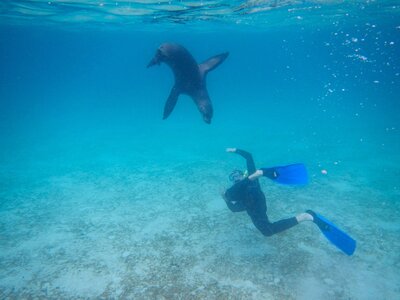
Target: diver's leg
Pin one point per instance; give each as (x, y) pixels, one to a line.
(304, 217)
(257, 174)
(266, 172)
(267, 228)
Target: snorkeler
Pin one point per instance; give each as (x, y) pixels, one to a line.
(246, 194)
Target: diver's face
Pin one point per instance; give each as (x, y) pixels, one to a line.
(236, 177)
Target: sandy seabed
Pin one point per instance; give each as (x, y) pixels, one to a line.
(167, 234)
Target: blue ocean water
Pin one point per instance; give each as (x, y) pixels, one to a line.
(101, 198)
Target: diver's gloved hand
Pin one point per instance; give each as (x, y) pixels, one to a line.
(231, 150)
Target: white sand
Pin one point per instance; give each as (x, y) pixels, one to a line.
(127, 234)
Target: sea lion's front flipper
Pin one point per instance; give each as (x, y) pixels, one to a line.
(171, 101)
(213, 62)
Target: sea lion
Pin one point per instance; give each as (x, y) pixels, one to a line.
(190, 77)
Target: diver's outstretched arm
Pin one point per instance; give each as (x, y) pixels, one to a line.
(251, 167)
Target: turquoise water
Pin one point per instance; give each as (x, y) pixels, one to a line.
(101, 198)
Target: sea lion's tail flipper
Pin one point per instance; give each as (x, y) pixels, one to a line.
(171, 102)
(213, 62)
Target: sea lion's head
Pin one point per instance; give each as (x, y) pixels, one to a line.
(163, 53)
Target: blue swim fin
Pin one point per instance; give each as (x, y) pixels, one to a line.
(336, 236)
(291, 174)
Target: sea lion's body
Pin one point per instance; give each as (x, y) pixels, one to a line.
(190, 77)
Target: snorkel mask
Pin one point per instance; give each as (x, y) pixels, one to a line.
(237, 175)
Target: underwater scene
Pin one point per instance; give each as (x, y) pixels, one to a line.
(199, 149)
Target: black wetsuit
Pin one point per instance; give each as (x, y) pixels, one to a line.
(247, 195)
